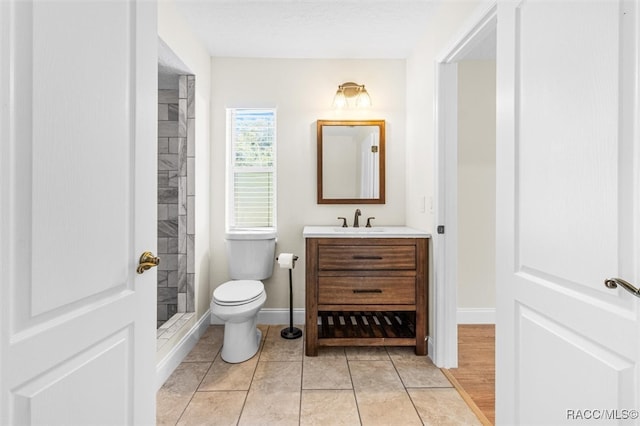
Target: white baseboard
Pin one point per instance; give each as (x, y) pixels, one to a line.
(171, 361)
(273, 316)
(476, 316)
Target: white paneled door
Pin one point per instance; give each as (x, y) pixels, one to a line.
(568, 212)
(77, 166)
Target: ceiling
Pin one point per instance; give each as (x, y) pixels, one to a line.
(357, 29)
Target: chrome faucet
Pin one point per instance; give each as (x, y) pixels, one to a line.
(355, 219)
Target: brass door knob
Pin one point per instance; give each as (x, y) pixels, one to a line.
(147, 261)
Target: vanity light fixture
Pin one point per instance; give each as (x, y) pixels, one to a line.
(349, 90)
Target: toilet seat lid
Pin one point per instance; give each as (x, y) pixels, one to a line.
(238, 292)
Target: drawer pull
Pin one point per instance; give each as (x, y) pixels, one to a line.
(367, 257)
(373, 290)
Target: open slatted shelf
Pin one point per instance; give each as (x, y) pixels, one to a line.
(366, 328)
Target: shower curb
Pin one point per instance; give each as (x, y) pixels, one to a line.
(170, 362)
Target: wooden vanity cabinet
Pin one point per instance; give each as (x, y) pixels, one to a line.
(366, 292)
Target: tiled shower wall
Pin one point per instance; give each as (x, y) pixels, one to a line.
(176, 195)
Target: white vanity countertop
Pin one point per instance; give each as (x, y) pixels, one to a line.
(363, 232)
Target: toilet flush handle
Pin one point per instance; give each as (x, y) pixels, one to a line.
(147, 261)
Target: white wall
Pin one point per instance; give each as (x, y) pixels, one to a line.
(175, 32)
(441, 31)
(302, 90)
(476, 184)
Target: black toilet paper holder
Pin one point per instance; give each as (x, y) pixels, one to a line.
(291, 332)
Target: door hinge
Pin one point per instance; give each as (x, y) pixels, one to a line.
(440, 229)
(374, 148)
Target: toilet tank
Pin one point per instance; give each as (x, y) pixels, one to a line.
(250, 254)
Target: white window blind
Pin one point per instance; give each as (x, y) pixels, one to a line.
(251, 137)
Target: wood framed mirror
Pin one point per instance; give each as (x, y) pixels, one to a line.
(351, 161)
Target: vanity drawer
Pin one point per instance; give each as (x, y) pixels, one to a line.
(350, 290)
(363, 257)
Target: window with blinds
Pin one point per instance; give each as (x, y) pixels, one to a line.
(251, 135)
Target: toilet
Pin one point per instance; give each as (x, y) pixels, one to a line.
(250, 256)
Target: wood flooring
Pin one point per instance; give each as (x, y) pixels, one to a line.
(475, 375)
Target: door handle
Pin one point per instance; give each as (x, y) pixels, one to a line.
(147, 261)
(615, 282)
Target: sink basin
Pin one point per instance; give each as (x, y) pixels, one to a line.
(363, 232)
(359, 230)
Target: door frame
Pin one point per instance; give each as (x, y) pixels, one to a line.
(471, 34)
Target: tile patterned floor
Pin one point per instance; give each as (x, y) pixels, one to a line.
(281, 386)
